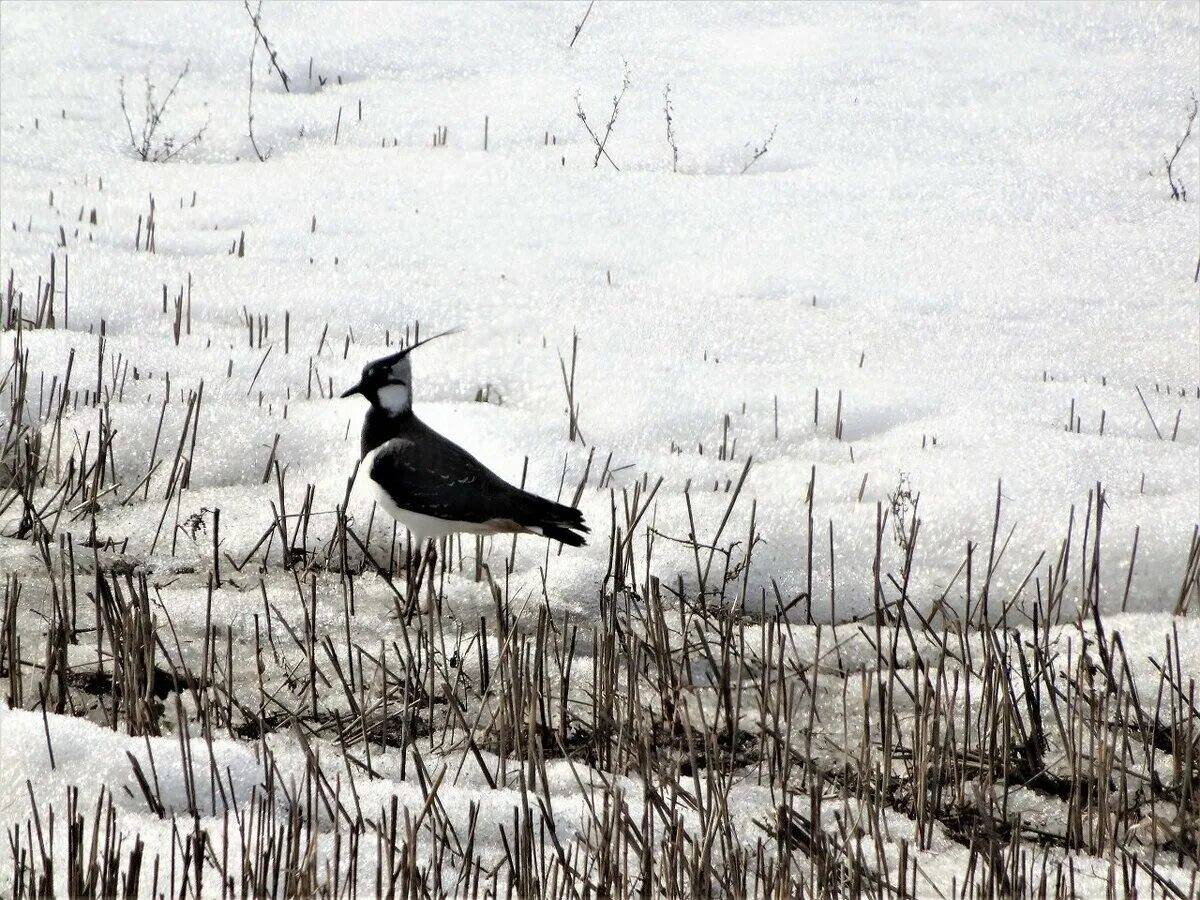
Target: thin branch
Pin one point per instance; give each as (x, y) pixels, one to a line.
(1148, 413)
(250, 93)
(601, 142)
(153, 114)
(128, 122)
(168, 151)
(162, 107)
(760, 152)
(1180, 192)
(148, 117)
(667, 110)
(579, 27)
(266, 44)
(579, 113)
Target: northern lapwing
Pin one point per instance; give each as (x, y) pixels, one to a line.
(434, 487)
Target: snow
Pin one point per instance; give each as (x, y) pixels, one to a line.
(974, 201)
(961, 227)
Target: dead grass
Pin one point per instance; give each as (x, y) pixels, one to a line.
(1013, 732)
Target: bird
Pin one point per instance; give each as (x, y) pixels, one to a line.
(431, 485)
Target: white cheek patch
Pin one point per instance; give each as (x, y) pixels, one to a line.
(395, 397)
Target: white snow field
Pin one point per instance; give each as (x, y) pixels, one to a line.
(918, 251)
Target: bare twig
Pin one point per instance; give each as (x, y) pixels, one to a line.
(602, 142)
(1148, 413)
(569, 386)
(579, 27)
(262, 157)
(760, 152)
(144, 145)
(667, 110)
(1179, 191)
(254, 18)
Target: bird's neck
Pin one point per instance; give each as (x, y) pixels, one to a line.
(379, 426)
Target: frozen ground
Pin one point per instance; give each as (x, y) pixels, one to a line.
(961, 234)
(96, 761)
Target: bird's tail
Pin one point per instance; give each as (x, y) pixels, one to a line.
(562, 523)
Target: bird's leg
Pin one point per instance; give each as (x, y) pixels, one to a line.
(409, 555)
(414, 574)
(431, 556)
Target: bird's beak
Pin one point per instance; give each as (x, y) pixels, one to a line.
(357, 389)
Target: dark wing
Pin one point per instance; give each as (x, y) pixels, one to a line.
(426, 473)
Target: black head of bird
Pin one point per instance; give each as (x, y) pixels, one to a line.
(387, 383)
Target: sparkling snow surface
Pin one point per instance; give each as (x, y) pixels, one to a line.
(974, 196)
(961, 226)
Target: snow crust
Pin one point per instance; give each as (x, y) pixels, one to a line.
(974, 198)
(961, 226)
